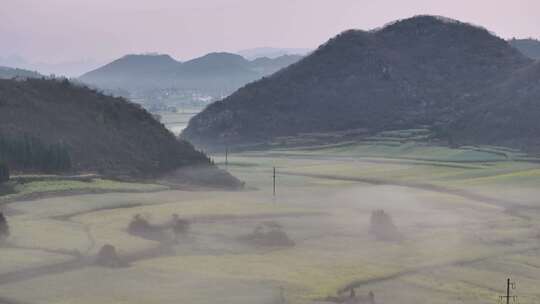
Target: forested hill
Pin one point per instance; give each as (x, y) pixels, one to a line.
(424, 71)
(507, 113)
(54, 125)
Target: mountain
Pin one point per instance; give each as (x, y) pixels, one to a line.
(151, 77)
(215, 74)
(67, 68)
(73, 68)
(134, 72)
(265, 65)
(55, 119)
(271, 52)
(424, 71)
(529, 47)
(8, 73)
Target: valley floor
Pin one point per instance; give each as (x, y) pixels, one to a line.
(467, 225)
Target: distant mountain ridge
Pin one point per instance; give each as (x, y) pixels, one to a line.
(271, 52)
(425, 71)
(529, 47)
(215, 74)
(60, 69)
(8, 73)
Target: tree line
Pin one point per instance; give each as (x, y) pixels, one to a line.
(28, 153)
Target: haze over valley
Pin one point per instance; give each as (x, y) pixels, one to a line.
(283, 152)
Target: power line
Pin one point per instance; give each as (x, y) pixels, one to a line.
(227, 157)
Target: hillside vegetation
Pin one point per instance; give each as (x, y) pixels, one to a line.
(458, 80)
(43, 119)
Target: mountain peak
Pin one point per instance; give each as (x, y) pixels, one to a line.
(219, 57)
(150, 58)
(220, 62)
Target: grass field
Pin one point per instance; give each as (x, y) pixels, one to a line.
(33, 187)
(469, 219)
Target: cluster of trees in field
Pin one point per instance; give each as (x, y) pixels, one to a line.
(140, 226)
(382, 227)
(30, 153)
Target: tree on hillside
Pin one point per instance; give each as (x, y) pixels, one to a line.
(4, 228)
(4, 172)
(30, 153)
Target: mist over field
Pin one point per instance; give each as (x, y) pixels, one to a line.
(250, 152)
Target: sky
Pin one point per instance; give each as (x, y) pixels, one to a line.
(56, 31)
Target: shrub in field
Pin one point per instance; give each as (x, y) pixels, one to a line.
(269, 234)
(108, 257)
(382, 227)
(352, 298)
(141, 227)
(138, 225)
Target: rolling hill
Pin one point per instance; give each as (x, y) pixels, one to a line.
(101, 134)
(214, 75)
(529, 47)
(420, 72)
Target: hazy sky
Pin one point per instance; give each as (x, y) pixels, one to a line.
(65, 30)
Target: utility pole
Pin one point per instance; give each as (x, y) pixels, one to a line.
(227, 156)
(509, 285)
(274, 178)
